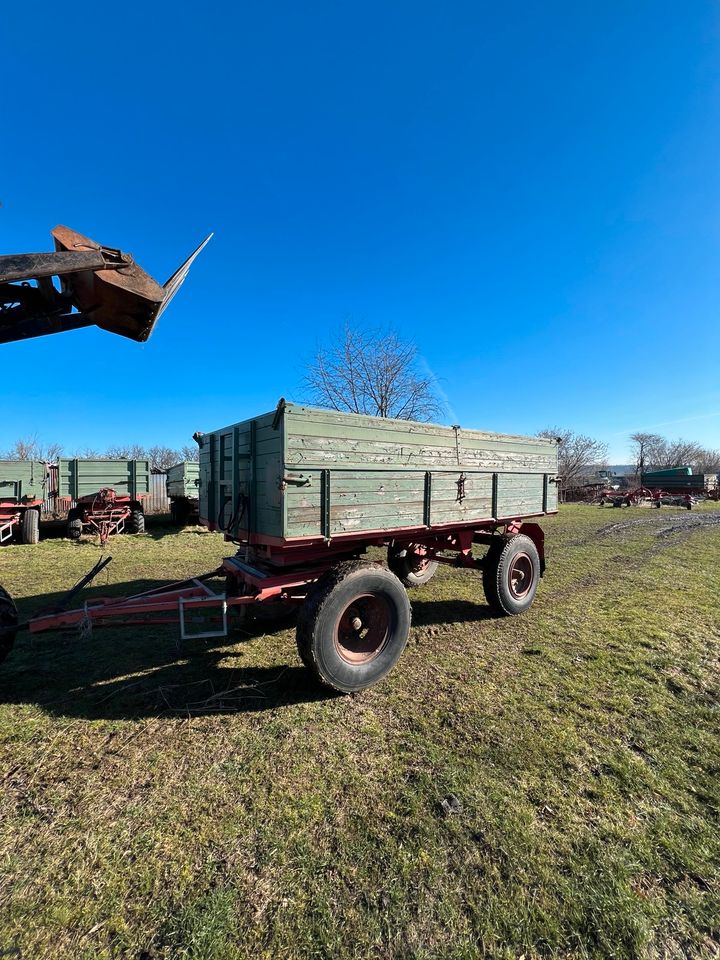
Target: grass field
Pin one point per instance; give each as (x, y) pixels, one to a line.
(207, 801)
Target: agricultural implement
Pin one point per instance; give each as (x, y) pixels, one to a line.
(105, 513)
(102, 496)
(642, 495)
(303, 493)
(22, 488)
(96, 285)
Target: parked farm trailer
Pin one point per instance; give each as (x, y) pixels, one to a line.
(182, 484)
(22, 490)
(302, 550)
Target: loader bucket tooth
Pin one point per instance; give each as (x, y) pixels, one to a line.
(122, 299)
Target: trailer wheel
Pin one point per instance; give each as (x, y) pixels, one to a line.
(74, 525)
(30, 527)
(8, 619)
(353, 626)
(179, 512)
(411, 569)
(136, 521)
(511, 574)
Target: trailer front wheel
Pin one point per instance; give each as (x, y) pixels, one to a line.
(353, 626)
(30, 527)
(74, 524)
(511, 575)
(8, 620)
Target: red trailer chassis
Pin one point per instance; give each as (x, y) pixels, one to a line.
(14, 516)
(354, 615)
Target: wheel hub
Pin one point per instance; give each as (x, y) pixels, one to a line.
(363, 628)
(520, 576)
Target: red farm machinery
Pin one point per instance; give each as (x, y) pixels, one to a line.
(23, 485)
(104, 497)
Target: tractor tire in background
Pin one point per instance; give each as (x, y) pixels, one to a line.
(410, 569)
(135, 523)
(353, 626)
(8, 620)
(511, 574)
(74, 525)
(30, 527)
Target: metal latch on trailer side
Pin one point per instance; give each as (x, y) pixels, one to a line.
(294, 482)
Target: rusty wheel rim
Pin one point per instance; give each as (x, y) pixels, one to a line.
(520, 576)
(363, 629)
(418, 564)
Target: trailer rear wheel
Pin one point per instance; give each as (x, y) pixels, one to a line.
(411, 569)
(353, 626)
(8, 619)
(136, 521)
(74, 525)
(511, 575)
(30, 527)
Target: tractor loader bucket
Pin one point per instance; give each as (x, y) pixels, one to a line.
(98, 285)
(124, 299)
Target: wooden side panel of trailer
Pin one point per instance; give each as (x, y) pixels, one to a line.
(240, 471)
(304, 472)
(183, 479)
(81, 478)
(22, 480)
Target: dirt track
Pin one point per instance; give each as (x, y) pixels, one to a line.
(664, 524)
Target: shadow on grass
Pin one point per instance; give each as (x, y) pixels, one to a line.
(143, 670)
(139, 671)
(429, 612)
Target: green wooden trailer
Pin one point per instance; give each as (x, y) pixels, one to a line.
(23, 486)
(182, 484)
(300, 473)
(304, 493)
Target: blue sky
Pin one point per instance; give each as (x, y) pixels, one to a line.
(529, 191)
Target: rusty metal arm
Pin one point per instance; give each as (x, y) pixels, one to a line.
(98, 285)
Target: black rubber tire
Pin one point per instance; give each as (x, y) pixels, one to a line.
(135, 523)
(406, 569)
(496, 575)
(8, 618)
(74, 525)
(30, 527)
(180, 512)
(329, 601)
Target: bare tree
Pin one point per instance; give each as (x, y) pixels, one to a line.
(30, 448)
(162, 457)
(133, 451)
(708, 462)
(375, 374)
(648, 450)
(190, 452)
(577, 454)
(653, 452)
